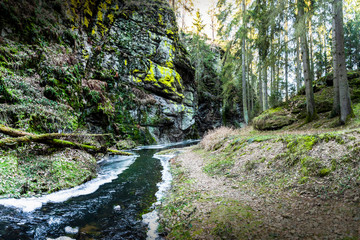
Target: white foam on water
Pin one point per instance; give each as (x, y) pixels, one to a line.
(166, 145)
(152, 218)
(106, 175)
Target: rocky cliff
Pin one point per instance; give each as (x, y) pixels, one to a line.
(100, 66)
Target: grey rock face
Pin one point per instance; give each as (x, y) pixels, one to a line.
(114, 66)
(143, 51)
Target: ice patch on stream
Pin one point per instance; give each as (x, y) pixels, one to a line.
(152, 218)
(106, 175)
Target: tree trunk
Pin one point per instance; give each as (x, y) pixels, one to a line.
(321, 67)
(325, 38)
(244, 97)
(339, 65)
(252, 89)
(272, 74)
(286, 61)
(310, 102)
(277, 74)
(298, 65)
(260, 88)
(336, 103)
(311, 50)
(273, 84)
(248, 88)
(265, 90)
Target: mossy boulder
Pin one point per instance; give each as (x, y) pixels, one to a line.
(324, 100)
(273, 119)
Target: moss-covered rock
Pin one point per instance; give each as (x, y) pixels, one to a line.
(273, 119)
(115, 66)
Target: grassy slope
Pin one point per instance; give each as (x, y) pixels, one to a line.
(286, 168)
(36, 169)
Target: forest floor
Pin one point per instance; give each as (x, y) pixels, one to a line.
(240, 185)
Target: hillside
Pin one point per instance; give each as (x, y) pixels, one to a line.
(279, 178)
(291, 115)
(245, 184)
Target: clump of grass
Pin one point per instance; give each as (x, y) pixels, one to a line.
(214, 137)
(219, 167)
(234, 221)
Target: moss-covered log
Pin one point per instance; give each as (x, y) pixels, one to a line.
(21, 137)
(13, 132)
(18, 133)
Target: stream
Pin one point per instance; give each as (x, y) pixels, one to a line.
(118, 204)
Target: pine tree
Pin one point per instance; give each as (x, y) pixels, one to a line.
(198, 23)
(342, 102)
(310, 102)
(244, 95)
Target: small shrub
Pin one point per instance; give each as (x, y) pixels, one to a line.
(219, 167)
(303, 180)
(251, 165)
(213, 137)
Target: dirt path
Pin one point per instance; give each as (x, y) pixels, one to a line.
(223, 209)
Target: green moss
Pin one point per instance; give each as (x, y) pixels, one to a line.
(219, 166)
(251, 165)
(356, 109)
(272, 119)
(310, 166)
(106, 108)
(304, 180)
(302, 143)
(297, 147)
(126, 144)
(332, 137)
(94, 97)
(33, 173)
(71, 174)
(10, 183)
(324, 172)
(233, 220)
(160, 19)
(164, 78)
(324, 100)
(273, 110)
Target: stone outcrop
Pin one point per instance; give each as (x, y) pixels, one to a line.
(108, 66)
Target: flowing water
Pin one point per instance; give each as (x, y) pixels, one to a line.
(118, 204)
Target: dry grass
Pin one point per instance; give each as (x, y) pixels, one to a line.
(215, 136)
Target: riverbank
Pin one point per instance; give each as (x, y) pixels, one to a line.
(37, 169)
(239, 185)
